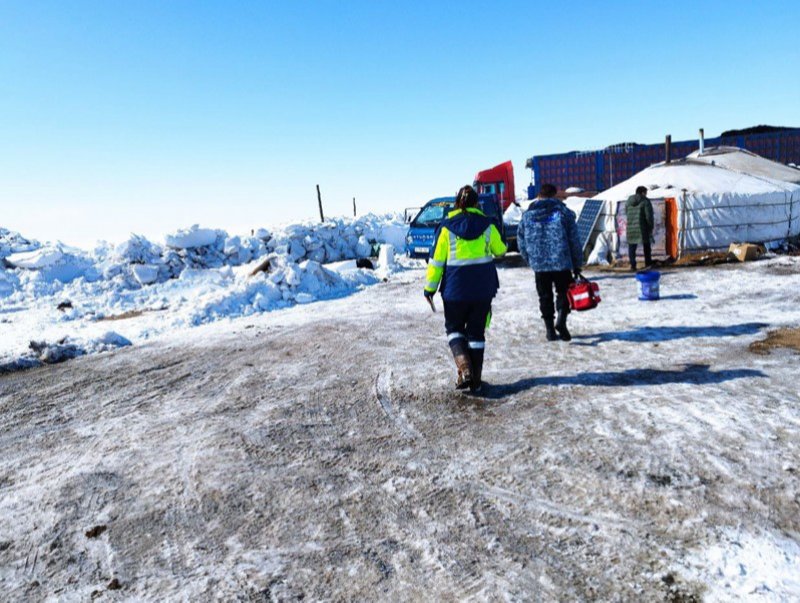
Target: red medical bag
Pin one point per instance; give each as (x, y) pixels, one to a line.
(583, 295)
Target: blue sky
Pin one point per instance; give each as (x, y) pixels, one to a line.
(122, 117)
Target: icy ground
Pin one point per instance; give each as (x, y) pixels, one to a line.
(319, 451)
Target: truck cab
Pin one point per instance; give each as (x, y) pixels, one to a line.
(422, 229)
(498, 181)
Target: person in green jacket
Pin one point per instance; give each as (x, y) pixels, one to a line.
(639, 211)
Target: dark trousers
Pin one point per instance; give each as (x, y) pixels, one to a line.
(648, 258)
(545, 281)
(467, 319)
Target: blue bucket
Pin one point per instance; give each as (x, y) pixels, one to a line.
(648, 284)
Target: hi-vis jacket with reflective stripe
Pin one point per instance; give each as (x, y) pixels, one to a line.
(462, 266)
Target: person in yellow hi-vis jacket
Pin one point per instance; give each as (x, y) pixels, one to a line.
(462, 268)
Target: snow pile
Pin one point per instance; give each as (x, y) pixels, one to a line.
(206, 248)
(12, 242)
(9, 282)
(394, 232)
(66, 348)
(33, 260)
(52, 353)
(513, 214)
(339, 239)
(746, 565)
(55, 293)
(53, 263)
(387, 263)
(193, 238)
(286, 284)
(138, 262)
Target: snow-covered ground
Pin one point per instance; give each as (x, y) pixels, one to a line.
(319, 451)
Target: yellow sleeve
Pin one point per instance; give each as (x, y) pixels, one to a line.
(436, 264)
(496, 245)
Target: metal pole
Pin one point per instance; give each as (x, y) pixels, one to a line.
(611, 167)
(682, 221)
(668, 148)
(354, 207)
(319, 200)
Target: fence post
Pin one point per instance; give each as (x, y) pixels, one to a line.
(319, 200)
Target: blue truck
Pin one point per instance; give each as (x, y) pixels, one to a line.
(422, 227)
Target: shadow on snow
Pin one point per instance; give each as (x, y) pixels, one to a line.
(695, 374)
(678, 296)
(651, 334)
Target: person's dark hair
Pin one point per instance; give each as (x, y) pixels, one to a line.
(548, 191)
(641, 190)
(466, 197)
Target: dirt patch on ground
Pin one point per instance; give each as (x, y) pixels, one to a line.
(129, 314)
(687, 261)
(710, 258)
(782, 338)
(782, 270)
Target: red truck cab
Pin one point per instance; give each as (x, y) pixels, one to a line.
(499, 181)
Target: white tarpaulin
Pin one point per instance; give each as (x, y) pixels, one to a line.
(714, 221)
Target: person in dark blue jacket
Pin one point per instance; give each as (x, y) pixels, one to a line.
(548, 242)
(462, 268)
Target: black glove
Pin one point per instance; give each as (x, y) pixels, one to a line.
(576, 274)
(429, 294)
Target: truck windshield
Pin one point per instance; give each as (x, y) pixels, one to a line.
(431, 215)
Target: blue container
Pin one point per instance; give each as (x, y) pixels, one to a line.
(648, 284)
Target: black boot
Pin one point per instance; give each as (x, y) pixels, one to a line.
(561, 325)
(549, 326)
(461, 354)
(476, 358)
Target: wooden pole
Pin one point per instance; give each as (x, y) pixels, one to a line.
(354, 207)
(668, 148)
(319, 200)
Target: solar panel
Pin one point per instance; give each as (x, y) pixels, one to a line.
(587, 220)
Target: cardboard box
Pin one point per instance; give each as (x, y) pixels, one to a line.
(745, 252)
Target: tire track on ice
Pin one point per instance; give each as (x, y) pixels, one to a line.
(541, 505)
(383, 394)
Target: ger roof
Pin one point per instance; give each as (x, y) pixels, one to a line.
(695, 176)
(742, 160)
